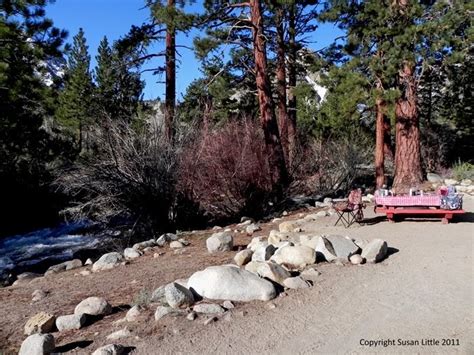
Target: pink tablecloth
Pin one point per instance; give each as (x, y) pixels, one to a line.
(425, 200)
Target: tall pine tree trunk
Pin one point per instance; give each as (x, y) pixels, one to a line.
(281, 82)
(407, 152)
(268, 120)
(291, 84)
(170, 89)
(379, 143)
(387, 139)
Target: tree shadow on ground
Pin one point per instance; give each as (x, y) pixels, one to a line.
(467, 217)
(373, 220)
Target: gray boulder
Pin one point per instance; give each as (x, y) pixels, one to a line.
(294, 257)
(296, 282)
(37, 344)
(252, 228)
(342, 246)
(375, 251)
(356, 259)
(40, 323)
(119, 334)
(229, 282)
(431, 177)
(111, 349)
(131, 253)
(208, 308)
(94, 306)
(268, 270)
(71, 321)
(324, 250)
(176, 245)
(67, 265)
(38, 295)
(25, 278)
(256, 243)
(145, 244)
(309, 241)
(178, 296)
(263, 253)
(133, 314)
(222, 241)
(163, 311)
(243, 257)
(107, 261)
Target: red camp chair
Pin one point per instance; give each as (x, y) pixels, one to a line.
(352, 210)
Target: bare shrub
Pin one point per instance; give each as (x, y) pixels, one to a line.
(322, 167)
(130, 178)
(226, 171)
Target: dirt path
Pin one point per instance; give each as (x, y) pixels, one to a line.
(422, 291)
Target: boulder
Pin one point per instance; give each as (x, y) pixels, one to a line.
(243, 257)
(466, 182)
(94, 306)
(356, 259)
(375, 251)
(327, 200)
(324, 250)
(229, 282)
(163, 311)
(222, 241)
(228, 305)
(208, 308)
(342, 246)
(178, 296)
(162, 240)
(294, 257)
(67, 265)
(176, 245)
(431, 177)
(252, 228)
(145, 244)
(268, 270)
(71, 321)
(133, 314)
(310, 273)
(276, 237)
(25, 278)
(256, 243)
(107, 261)
(37, 344)
(131, 253)
(40, 323)
(111, 349)
(361, 243)
(263, 253)
(451, 182)
(309, 241)
(185, 242)
(119, 334)
(288, 226)
(296, 282)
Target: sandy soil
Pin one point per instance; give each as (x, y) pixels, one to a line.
(424, 290)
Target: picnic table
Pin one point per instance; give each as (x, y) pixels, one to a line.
(420, 205)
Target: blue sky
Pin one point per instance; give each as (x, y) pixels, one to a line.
(113, 18)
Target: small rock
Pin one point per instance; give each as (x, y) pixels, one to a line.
(244, 223)
(356, 259)
(310, 273)
(216, 228)
(25, 278)
(85, 272)
(88, 262)
(176, 245)
(131, 253)
(133, 314)
(294, 257)
(38, 295)
(271, 305)
(220, 242)
(111, 349)
(163, 311)
(119, 334)
(71, 321)
(375, 251)
(208, 308)
(157, 255)
(191, 316)
(37, 344)
(210, 320)
(93, 306)
(228, 305)
(451, 182)
(263, 253)
(40, 323)
(296, 282)
(288, 226)
(186, 242)
(245, 219)
(243, 257)
(327, 200)
(256, 243)
(431, 177)
(252, 228)
(107, 261)
(178, 296)
(145, 244)
(466, 182)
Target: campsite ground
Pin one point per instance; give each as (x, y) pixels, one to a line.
(422, 291)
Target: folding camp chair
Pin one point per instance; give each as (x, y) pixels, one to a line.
(352, 210)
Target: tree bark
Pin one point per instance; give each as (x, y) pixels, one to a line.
(291, 109)
(408, 171)
(387, 139)
(268, 120)
(379, 144)
(281, 83)
(170, 85)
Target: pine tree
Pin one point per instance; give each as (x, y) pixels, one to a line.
(105, 79)
(75, 102)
